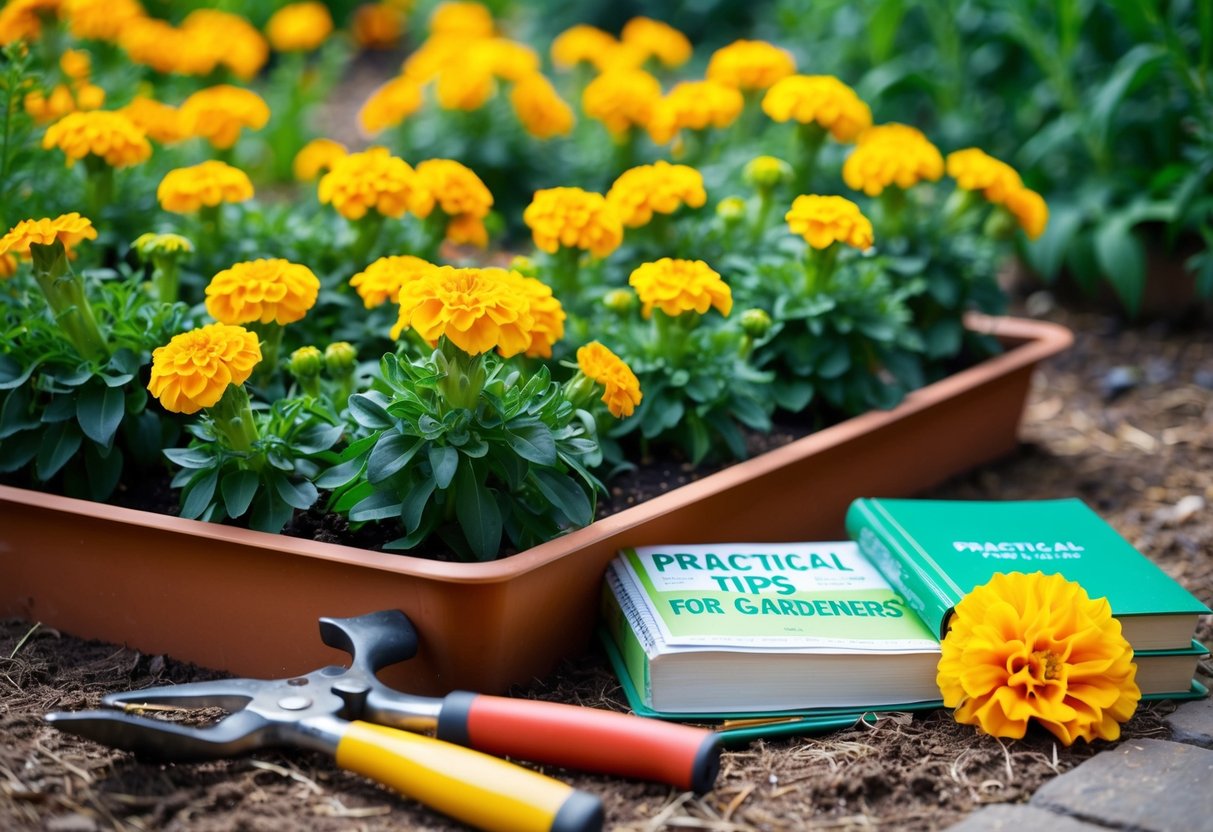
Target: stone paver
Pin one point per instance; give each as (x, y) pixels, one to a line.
(1148, 785)
(1006, 817)
(1192, 723)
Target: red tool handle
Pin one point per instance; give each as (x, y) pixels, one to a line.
(582, 738)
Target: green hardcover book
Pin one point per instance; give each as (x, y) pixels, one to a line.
(935, 551)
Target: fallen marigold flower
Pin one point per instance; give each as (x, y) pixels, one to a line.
(677, 286)
(262, 291)
(194, 369)
(109, 136)
(219, 113)
(821, 100)
(573, 218)
(299, 27)
(68, 229)
(621, 388)
(382, 280)
(185, 190)
(750, 64)
(825, 220)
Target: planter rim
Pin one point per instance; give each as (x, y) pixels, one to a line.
(1042, 340)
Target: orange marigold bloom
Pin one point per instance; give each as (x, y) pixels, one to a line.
(467, 229)
(62, 100)
(382, 280)
(508, 59)
(1036, 647)
(622, 99)
(391, 104)
(660, 187)
(581, 44)
(161, 122)
(891, 154)
(466, 20)
(219, 113)
(22, 19)
(194, 369)
(975, 170)
(109, 136)
(377, 26)
(825, 220)
(546, 311)
(540, 109)
(677, 286)
(455, 188)
(621, 388)
(1030, 211)
(227, 39)
(99, 19)
(76, 64)
(750, 64)
(660, 40)
(158, 44)
(466, 86)
(428, 60)
(262, 291)
(68, 229)
(185, 190)
(476, 311)
(299, 27)
(8, 266)
(694, 105)
(573, 218)
(819, 99)
(374, 178)
(316, 156)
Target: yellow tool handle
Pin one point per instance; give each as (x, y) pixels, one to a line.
(467, 785)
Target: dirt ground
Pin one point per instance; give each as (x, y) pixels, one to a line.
(1124, 420)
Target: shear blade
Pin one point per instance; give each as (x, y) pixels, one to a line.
(235, 734)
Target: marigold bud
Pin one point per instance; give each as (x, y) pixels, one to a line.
(731, 209)
(305, 363)
(620, 301)
(766, 172)
(339, 358)
(755, 322)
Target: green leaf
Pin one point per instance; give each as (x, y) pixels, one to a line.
(15, 415)
(238, 489)
(564, 493)
(943, 339)
(59, 443)
(478, 514)
(1132, 70)
(443, 460)
(701, 441)
(835, 363)
(381, 505)
(532, 441)
(1048, 252)
(17, 453)
(318, 438)
(1122, 258)
(300, 495)
(12, 374)
(370, 413)
(198, 494)
(190, 457)
(99, 411)
(269, 513)
(391, 453)
(343, 473)
(415, 501)
(103, 471)
(61, 408)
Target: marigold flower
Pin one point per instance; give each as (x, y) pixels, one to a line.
(476, 311)
(262, 291)
(546, 311)
(194, 369)
(8, 266)
(1030, 210)
(62, 101)
(219, 113)
(299, 27)
(227, 39)
(161, 122)
(377, 26)
(1036, 647)
(677, 286)
(509, 59)
(580, 44)
(975, 170)
(158, 44)
(660, 40)
(621, 56)
(316, 156)
(99, 19)
(22, 19)
(694, 105)
(108, 136)
(374, 178)
(660, 187)
(750, 64)
(573, 218)
(467, 229)
(391, 104)
(466, 20)
(621, 388)
(466, 86)
(825, 220)
(540, 109)
(382, 280)
(76, 64)
(455, 188)
(821, 100)
(185, 190)
(891, 154)
(68, 229)
(427, 61)
(166, 244)
(621, 99)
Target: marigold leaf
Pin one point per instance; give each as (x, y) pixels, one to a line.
(198, 493)
(532, 440)
(565, 494)
(443, 460)
(238, 489)
(478, 515)
(99, 411)
(59, 444)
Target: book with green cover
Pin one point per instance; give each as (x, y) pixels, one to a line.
(935, 551)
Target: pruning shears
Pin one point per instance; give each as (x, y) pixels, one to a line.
(373, 730)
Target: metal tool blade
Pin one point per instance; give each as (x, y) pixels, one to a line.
(236, 734)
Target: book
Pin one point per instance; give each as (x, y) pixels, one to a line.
(935, 551)
(756, 628)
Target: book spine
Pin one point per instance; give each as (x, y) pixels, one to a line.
(627, 631)
(894, 554)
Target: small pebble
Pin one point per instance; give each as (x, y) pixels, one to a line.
(1039, 304)
(1118, 381)
(1183, 511)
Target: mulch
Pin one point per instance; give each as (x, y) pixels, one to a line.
(1123, 420)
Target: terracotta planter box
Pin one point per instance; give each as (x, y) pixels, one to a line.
(247, 602)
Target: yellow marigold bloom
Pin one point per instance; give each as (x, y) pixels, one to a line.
(891, 154)
(382, 280)
(22, 19)
(622, 99)
(391, 104)
(467, 20)
(621, 56)
(540, 109)
(227, 39)
(621, 388)
(8, 266)
(660, 187)
(750, 64)
(455, 188)
(262, 291)
(580, 44)
(466, 86)
(109, 136)
(377, 26)
(316, 156)
(62, 101)
(185, 190)
(99, 19)
(818, 99)
(152, 244)
(475, 310)
(427, 61)
(158, 44)
(219, 113)
(573, 218)
(68, 229)
(1036, 647)
(975, 170)
(1030, 211)
(825, 220)
(677, 286)
(194, 369)
(161, 122)
(76, 64)
(299, 27)
(467, 229)
(374, 178)
(547, 313)
(508, 59)
(694, 105)
(660, 40)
